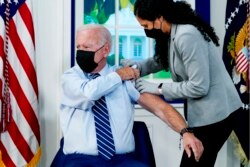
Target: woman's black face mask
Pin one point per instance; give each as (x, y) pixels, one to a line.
(85, 60)
(154, 33)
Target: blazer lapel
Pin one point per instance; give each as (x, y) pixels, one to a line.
(171, 51)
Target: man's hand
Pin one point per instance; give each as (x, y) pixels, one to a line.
(144, 86)
(128, 73)
(191, 143)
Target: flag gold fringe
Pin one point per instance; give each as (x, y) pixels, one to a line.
(1, 160)
(34, 161)
(239, 152)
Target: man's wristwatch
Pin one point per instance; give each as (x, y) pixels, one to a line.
(184, 130)
(160, 88)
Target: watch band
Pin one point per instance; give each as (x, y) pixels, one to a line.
(184, 130)
(160, 88)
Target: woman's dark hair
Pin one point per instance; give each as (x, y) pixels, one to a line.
(161, 51)
(179, 12)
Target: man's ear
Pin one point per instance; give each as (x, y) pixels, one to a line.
(106, 51)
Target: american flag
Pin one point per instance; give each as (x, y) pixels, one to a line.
(242, 60)
(20, 130)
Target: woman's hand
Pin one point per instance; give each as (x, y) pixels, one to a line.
(144, 86)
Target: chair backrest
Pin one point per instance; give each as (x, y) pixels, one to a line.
(59, 159)
(143, 147)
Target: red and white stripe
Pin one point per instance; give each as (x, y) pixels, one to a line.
(20, 143)
(241, 62)
(2, 37)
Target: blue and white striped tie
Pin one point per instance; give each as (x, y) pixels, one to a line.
(105, 141)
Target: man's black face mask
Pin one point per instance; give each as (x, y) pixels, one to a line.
(85, 60)
(154, 33)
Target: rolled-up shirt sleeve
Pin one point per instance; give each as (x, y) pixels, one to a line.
(132, 91)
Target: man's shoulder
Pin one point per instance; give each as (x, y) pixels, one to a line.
(73, 70)
(113, 67)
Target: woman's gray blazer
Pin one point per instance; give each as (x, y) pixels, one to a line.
(199, 75)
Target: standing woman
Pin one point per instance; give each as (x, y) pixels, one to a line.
(187, 46)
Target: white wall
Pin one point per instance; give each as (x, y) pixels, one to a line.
(48, 18)
(52, 26)
(218, 18)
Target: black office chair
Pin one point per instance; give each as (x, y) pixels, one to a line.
(143, 147)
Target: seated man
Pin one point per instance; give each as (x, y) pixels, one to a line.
(97, 111)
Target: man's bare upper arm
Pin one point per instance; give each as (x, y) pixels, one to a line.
(153, 103)
(163, 110)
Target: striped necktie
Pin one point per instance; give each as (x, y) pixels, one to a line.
(105, 141)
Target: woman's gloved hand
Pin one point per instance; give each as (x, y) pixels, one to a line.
(130, 63)
(144, 86)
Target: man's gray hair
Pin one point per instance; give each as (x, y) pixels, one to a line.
(102, 33)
